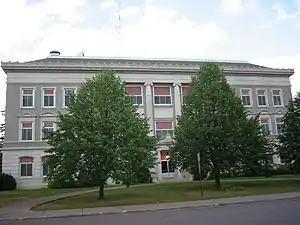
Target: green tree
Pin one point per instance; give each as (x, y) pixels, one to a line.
(255, 155)
(101, 136)
(135, 151)
(212, 123)
(289, 139)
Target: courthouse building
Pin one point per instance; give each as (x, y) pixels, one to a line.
(37, 90)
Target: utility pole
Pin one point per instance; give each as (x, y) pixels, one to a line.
(199, 168)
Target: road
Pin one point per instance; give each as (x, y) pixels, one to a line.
(258, 213)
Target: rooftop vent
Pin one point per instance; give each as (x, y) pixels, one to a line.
(54, 53)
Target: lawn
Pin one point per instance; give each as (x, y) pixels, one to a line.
(173, 192)
(9, 197)
(283, 176)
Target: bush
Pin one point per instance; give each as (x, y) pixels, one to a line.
(144, 176)
(282, 170)
(59, 184)
(7, 182)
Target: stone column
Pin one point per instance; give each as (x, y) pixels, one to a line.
(149, 106)
(177, 112)
(177, 100)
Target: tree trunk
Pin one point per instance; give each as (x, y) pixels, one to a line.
(127, 185)
(217, 179)
(101, 189)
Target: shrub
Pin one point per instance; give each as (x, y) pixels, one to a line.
(59, 184)
(7, 182)
(144, 176)
(282, 170)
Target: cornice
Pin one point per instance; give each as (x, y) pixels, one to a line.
(182, 71)
(139, 66)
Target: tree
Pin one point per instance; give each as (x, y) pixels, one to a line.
(289, 139)
(254, 156)
(214, 123)
(136, 152)
(102, 135)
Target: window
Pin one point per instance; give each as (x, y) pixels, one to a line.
(185, 91)
(135, 93)
(262, 98)
(26, 166)
(246, 97)
(45, 166)
(166, 164)
(277, 97)
(270, 159)
(279, 123)
(27, 97)
(265, 126)
(162, 96)
(68, 92)
(26, 131)
(47, 126)
(164, 128)
(48, 97)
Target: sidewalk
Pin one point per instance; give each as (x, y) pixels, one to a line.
(20, 209)
(16, 214)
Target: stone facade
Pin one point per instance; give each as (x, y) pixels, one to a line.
(38, 90)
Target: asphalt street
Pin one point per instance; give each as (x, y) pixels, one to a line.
(278, 212)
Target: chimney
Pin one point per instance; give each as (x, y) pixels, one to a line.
(54, 53)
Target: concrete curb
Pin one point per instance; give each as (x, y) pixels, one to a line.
(152, 208)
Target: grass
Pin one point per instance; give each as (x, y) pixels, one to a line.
(283, 176)
(9, 197)
(173, 192)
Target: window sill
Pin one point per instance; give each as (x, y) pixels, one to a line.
(163, 105)
(248, 106)
(27, 107)
(48, 107)
(278, 106)
(139, 105)
(26, 140)
(27, 177)
(263, 106)
(168, 175)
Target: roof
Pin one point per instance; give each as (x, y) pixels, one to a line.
(94, 63)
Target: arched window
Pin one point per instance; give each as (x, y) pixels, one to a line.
(26, 164)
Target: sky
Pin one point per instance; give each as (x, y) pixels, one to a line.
(265, 32)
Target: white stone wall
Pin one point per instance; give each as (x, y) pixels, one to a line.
(11, 166)
(11, 157)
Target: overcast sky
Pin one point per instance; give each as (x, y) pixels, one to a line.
(266, 32)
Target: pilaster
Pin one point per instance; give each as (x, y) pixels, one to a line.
(177, 100)
(149, 106)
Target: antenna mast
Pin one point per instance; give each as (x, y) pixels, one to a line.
(118, 27)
